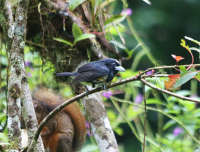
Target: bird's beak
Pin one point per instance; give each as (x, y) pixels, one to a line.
(119, 68)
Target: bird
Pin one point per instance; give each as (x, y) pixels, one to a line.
(100, 72)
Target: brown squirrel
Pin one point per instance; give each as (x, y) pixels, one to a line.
(65, 132)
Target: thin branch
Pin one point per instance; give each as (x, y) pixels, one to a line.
(168, 92)
(145, 117)
(34, 43)
(155, 75)
(167, 67)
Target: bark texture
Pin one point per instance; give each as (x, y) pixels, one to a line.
(15, 35)
(28, 113)
(100, 124)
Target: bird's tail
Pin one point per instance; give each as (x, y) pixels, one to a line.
(66, 74)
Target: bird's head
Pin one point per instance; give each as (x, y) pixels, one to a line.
(114, 65)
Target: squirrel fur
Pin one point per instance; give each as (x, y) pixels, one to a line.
(65, 132)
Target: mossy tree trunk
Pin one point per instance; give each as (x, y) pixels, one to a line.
(14, 33)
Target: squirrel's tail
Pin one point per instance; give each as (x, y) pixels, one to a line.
(79, 123)
(72, 110)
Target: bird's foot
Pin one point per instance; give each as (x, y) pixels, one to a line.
(87, 91)
(103, 86)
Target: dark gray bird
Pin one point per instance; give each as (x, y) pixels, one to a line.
(98, 72)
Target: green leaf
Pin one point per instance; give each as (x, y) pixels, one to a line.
(74, 3)
(193, 40)
(197, 77)
(114, 20)
(63, 41)
(4, 137)
(195, 49)
(169, 124)
(84, 36)
(76, 30)
(111, 115)
(2, 117)
(189, 106)
(183, 44)
(118, 44)
(103, 4)
(183, 69)
(119, 131)
(183, 79)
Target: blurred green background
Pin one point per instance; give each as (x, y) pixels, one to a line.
(160, 26)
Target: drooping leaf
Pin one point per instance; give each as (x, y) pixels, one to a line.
(76, 30)
(118, 44)
(169, 84)
(84, 36)
(169, 124)
(112, 19)
(73, 4)
(63, 41)
(116, 19)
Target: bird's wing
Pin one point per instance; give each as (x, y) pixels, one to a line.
(93, 66)
(90, 75)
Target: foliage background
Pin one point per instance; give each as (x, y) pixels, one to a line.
(161, 26)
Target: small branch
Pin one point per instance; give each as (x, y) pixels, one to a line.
(155, 75)
(168, 92)
(145, 117)
(166, 67)
(34, 43)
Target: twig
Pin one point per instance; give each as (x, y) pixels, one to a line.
(34, 43)
(166, 67)
(168, 92)
(145, 117)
